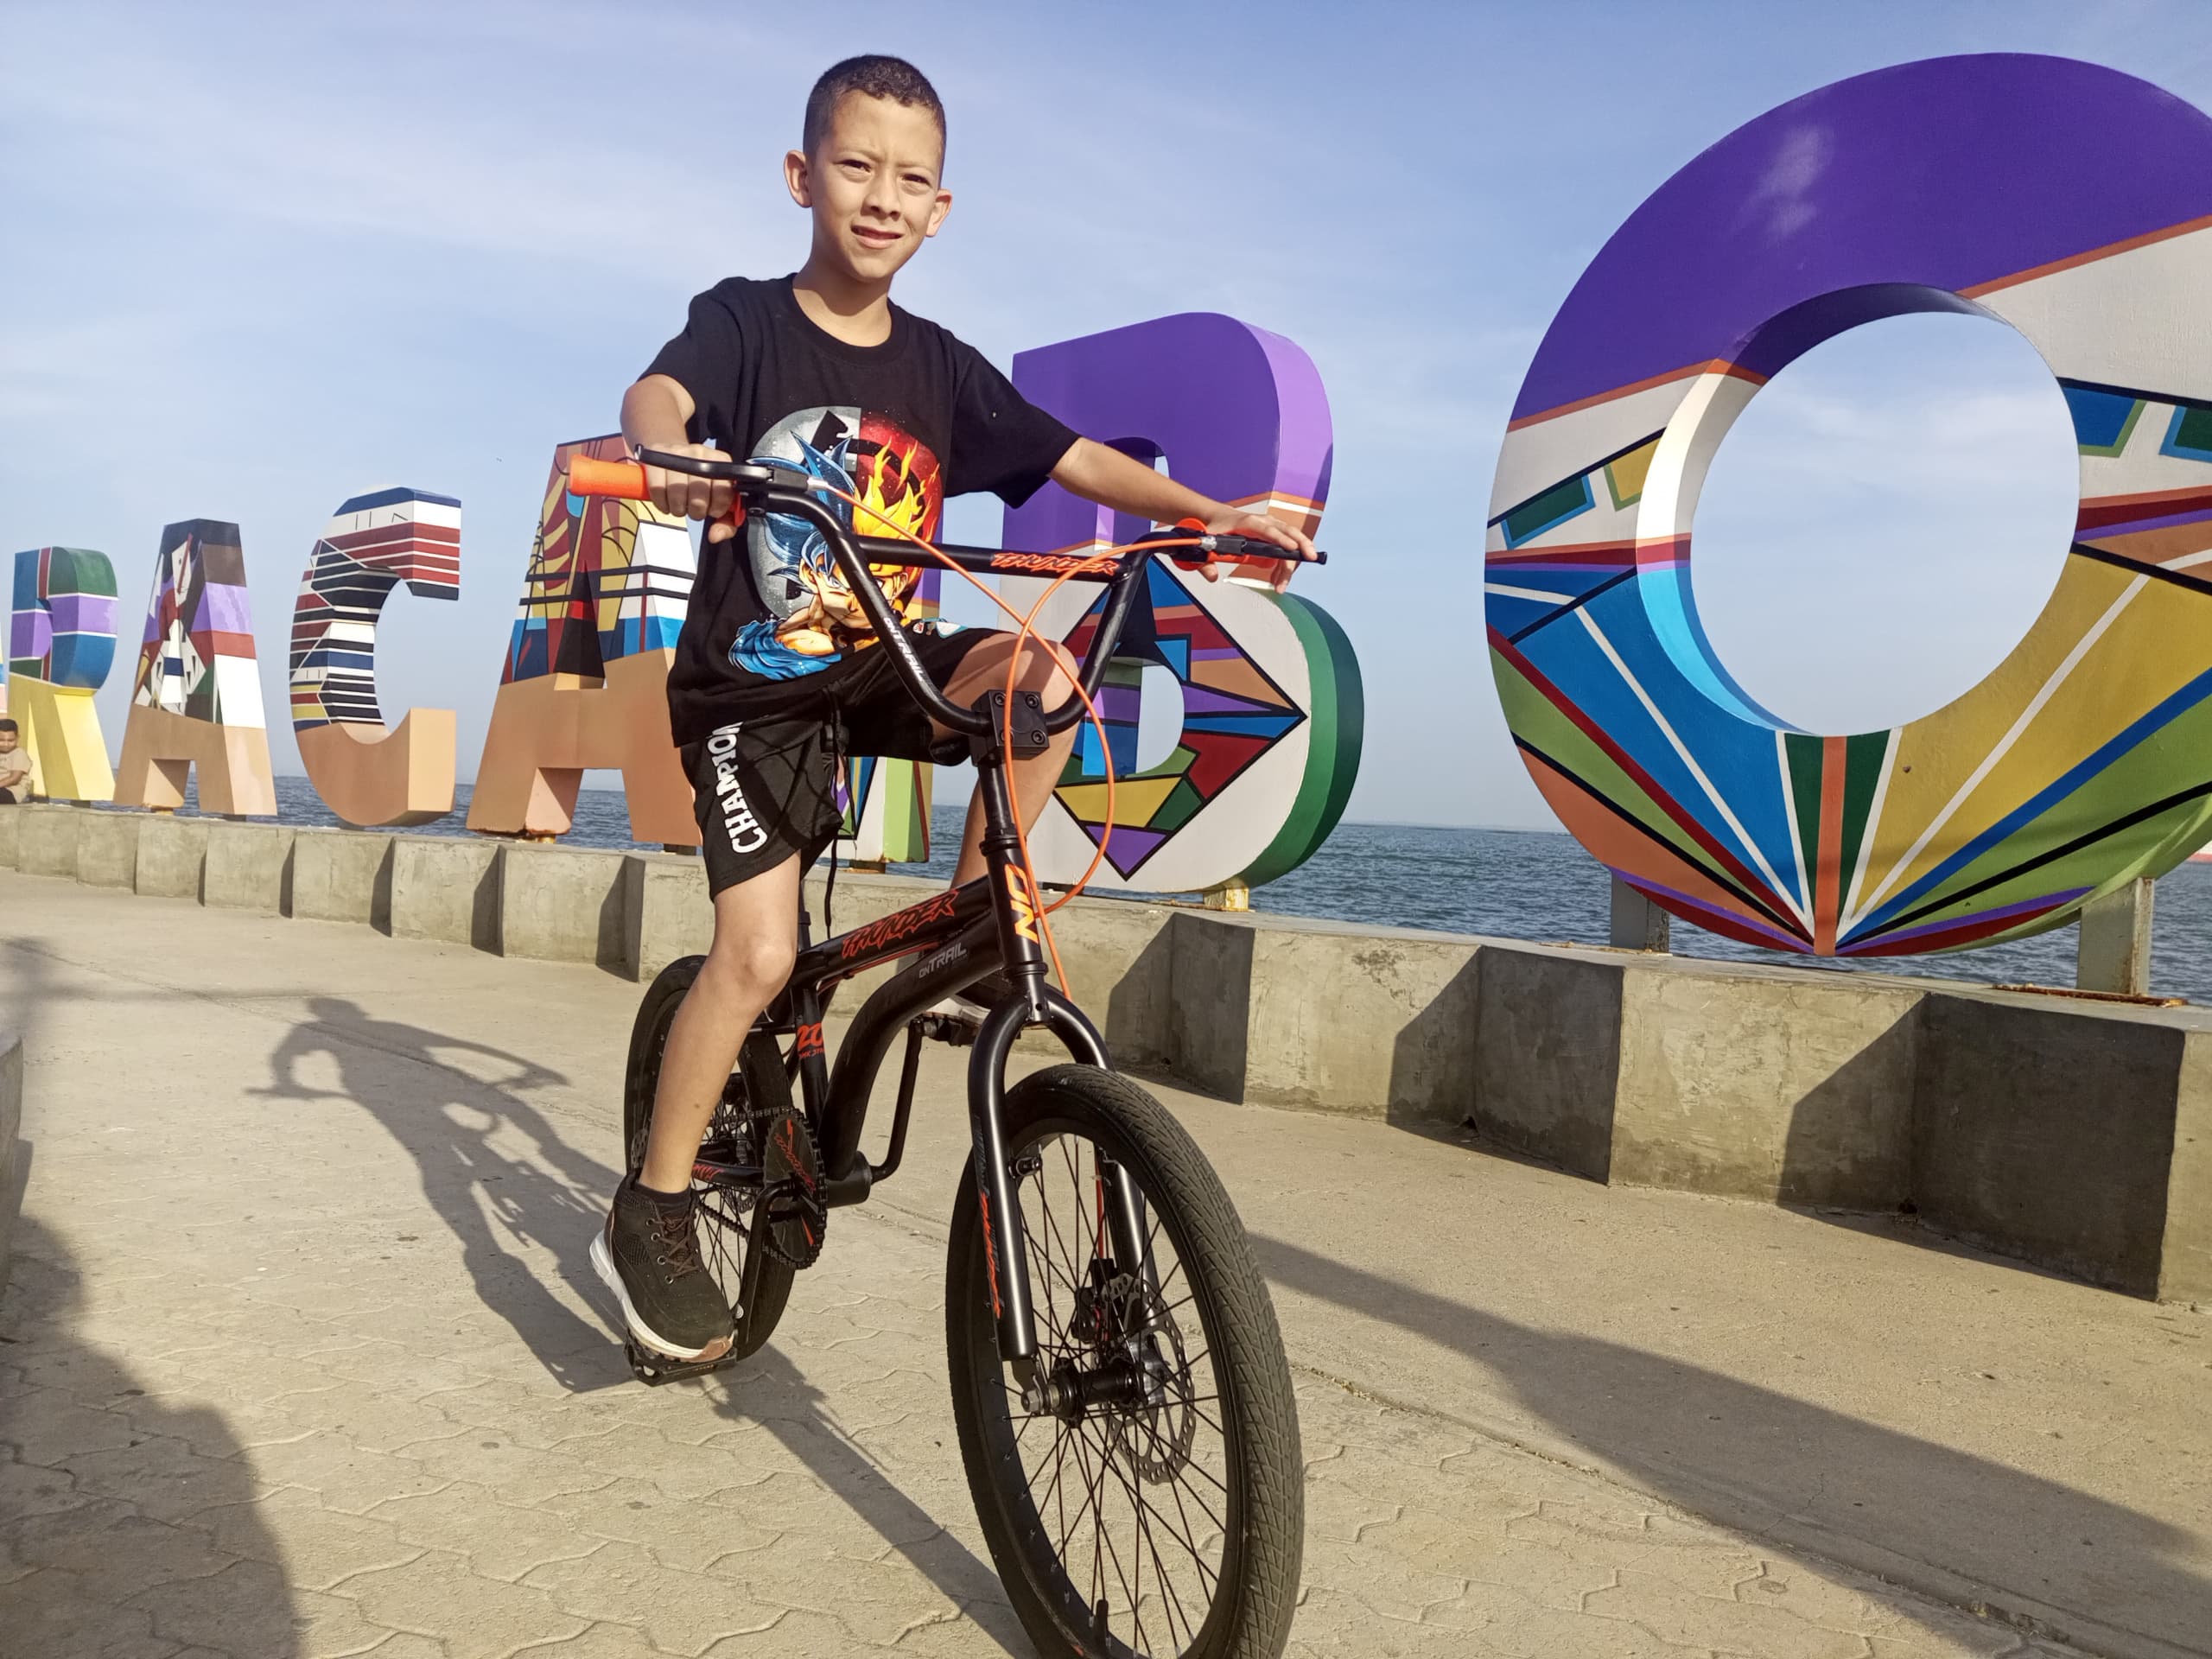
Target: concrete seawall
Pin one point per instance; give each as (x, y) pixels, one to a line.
(15, 1156)
(2073, 1134)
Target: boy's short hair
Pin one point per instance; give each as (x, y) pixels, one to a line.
(872, 76)
(7, 725)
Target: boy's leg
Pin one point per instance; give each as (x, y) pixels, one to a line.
(762, 792)
(649, 1254)
(756, 941)
(1045, 669)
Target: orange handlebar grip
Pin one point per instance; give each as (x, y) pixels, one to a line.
(623, 479)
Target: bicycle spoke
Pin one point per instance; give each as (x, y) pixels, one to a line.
(1165, 1308)
(1088, 1506)
(1051, 1267)
(1105, 1323)
(1097, 1521)
(1059, 1491)
(1105, 1538)
(1059, 1458)
(1143, 1507)
(1209, 1576)
(1205, 1577)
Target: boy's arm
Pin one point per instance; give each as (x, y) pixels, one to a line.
(1097, 472)
(657, 414)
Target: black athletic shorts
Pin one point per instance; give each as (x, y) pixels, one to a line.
(767, 789)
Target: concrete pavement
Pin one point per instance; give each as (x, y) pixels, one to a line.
(302, 1357)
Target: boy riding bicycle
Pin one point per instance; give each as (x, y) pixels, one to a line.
(777, 674)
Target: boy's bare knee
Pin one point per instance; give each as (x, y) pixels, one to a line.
(1046, 669)
(760, 963)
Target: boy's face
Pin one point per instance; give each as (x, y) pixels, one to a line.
(7, 742)
(872, 185)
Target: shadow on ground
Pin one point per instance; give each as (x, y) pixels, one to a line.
(127, 1521)
(769, 1389)
(496, 1170)
(1762, 1462)
(451, 1123)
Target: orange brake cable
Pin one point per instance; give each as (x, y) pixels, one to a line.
(1025, 628)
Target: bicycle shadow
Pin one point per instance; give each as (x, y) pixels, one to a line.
(491, 1197)
(769, 1391)
(471, 1162)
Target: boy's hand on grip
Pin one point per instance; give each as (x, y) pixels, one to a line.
(1260, 528)
(692, 498)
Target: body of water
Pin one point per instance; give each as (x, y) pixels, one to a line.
(1508, 884)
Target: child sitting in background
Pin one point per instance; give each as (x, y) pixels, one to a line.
(15, 765)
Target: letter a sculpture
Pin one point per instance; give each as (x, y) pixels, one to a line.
(198, 698)
(586, 678)
(366, 774)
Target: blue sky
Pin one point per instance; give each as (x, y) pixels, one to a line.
(262, 258)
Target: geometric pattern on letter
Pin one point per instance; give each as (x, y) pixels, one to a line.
(1271, 712)
(584, 679)
(196, 702)
(196, 656)
(62, 630)
(371, 544)
(2084, 762)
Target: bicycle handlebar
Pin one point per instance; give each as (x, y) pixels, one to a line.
(760, 490)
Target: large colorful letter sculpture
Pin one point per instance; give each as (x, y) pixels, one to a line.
(61, 645)
(366, 774)
(2074, 203)
(1270, 690)
(586, 680)
(197, 701)
(887, 802)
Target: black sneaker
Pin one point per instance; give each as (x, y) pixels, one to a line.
(649, 1257)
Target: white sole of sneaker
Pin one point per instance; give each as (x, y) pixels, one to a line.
(602, 1263)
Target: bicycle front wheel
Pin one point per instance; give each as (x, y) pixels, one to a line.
(1148, 1498)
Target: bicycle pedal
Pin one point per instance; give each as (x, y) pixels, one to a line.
(653, 1369)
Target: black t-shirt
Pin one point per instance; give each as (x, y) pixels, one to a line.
(901, 426)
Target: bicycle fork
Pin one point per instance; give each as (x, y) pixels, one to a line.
(1005, 1243)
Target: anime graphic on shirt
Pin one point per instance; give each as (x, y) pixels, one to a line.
(812, 616)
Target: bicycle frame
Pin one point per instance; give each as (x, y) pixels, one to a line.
(960, 937)
(991, 923)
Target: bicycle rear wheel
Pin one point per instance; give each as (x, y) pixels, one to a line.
(755, 1282)
(1151, 1501)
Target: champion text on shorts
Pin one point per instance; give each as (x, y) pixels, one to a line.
(745, 835)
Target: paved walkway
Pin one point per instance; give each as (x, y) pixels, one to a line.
(302, 1357)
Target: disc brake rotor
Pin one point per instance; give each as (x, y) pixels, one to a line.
(1126, 1317)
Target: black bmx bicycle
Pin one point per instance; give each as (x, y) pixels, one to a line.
(1123, 1403)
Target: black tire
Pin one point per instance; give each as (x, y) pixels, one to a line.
(757, 1283)
(1254, 1523)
